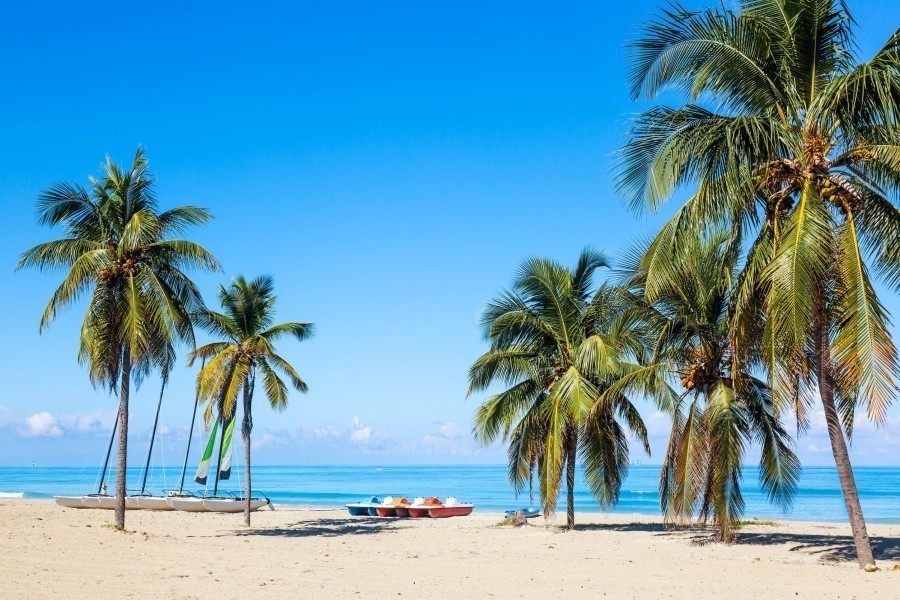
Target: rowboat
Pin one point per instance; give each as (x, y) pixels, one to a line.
(450, 508)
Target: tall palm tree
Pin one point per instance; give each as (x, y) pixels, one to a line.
(724, 407)
(119, 252)
(790, 139)
(247, 335)
(557, 343)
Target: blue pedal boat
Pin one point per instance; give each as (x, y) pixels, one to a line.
(364, 507)
(530, 512)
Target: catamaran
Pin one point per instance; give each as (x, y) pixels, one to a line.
(175, 500)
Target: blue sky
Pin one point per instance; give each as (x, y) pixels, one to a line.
(389, 165)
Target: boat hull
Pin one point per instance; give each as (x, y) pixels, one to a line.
(418, 512)
(403, 511)
(229, 505)
(358, 510)
(529, 512)
(152, 503)
(386, 511)
(104, 502)
(439, 512)
(186, 504)
(70, 501)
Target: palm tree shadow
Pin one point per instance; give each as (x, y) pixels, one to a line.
(324, 528)
(827, 548)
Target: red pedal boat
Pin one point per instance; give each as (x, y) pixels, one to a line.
(450, 508)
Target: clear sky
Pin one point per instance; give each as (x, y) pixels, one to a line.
(388, 163)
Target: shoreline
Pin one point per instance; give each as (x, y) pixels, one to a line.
(499, 514)
(48, 551)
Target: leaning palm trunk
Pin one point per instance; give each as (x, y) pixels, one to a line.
(838, 443)
(246, 427)
(122, 460)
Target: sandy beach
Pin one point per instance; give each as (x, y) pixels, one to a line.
(47, 551)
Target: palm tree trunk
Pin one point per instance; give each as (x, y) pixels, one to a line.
(572, 444)
(246, 427)
(122, 460)
(838, 443)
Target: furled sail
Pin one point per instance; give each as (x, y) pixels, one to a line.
(225, 466)
(203, 469)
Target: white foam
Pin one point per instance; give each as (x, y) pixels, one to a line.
(12, 494)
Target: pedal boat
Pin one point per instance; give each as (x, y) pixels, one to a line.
(450, 508)
(419, 508)
(361, 509)
(390, 507)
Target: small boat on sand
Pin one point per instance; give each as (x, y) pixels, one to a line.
(361, 508)
(419, 508)
(390, 506)
(530, 512)
(450, 508)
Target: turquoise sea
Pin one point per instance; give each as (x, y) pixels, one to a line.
(819, 497)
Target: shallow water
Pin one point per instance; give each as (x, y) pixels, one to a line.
(818, 499)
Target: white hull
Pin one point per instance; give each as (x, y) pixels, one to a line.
(70, 501)
(186, 504)
(153, 503)
(105, 502)
(228, 505)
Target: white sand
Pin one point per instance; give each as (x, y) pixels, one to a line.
(50, 552)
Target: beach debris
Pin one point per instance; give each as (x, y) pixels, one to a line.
(896, 568)
(870, 568)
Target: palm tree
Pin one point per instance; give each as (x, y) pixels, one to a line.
(119, 253)
(246, 348)
(724, 406)
(557, 344)
(789, 139)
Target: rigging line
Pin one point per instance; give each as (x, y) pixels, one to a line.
(187, 450)
(109, 450)
(162, 389)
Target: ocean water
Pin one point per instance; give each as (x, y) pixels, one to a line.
(818, 498)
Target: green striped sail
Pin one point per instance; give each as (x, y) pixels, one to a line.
(225, 467)
(203, 469)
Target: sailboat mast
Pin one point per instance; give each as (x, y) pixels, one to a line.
(219, 465)
(162, 389)
(112, 438)
(187, 450)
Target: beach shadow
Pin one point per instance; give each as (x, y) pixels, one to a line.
(323, 528)
(626, 527)
(829, 548)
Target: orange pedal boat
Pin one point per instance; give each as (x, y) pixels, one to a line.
(391, 507)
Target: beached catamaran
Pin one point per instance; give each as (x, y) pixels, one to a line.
(175, 500)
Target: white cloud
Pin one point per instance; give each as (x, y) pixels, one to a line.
(326, 432)
(42, 424)
(88, 424)
(359, 432)
(450, 430)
